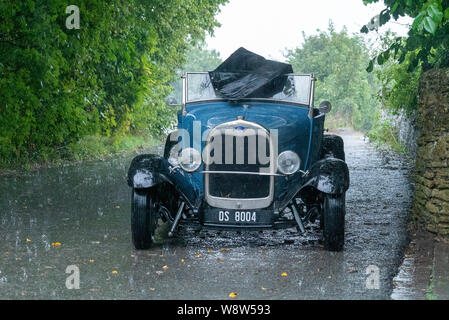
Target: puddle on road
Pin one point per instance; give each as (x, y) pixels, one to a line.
(85, 208)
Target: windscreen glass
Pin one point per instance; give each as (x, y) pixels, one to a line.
(296, 89)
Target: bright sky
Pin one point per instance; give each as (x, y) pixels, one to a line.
(268, 27)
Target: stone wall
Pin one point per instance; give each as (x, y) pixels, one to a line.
(408, 133)
(407, 130)
(431, 207)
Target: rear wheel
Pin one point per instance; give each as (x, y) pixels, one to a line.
(143, 219)
(333, 222)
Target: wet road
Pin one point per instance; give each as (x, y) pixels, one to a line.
(80, 215)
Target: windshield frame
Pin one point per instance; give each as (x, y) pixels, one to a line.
(185, 88)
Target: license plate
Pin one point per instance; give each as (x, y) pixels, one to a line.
(237, 217)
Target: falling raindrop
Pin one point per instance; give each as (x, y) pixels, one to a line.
(3, 279)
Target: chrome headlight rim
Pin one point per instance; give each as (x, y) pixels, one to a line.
(190, 159)
(294, 166)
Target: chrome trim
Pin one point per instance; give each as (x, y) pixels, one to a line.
(297, 218)
(312, 93)
(177, 218)
(246, 173)
(304, 173)
(237, 203)
(254, 100)
(184, 94)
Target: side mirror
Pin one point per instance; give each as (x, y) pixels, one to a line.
(325, 107)
(172, 102)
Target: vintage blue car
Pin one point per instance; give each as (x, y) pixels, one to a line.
(244, 160)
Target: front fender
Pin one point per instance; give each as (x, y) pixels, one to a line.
(149, 170)
(145, 171)
(329, 175)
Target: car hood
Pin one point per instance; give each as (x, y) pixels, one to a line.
(291, 122)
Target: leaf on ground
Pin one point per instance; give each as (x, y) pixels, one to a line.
(165, 267)
(114, 272)
(28, 240)
(284, 274)
(233, 295)
(198, 255)
(182, 260)
(117, 207)
(56, 244)
(91, 260)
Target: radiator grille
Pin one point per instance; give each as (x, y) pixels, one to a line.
(241, 148)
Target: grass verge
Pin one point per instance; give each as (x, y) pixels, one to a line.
(384, 133)
(87, 148)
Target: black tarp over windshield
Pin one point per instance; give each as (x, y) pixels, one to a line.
(247, 75)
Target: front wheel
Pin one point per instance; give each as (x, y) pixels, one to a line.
(333, 217)
(143, 219)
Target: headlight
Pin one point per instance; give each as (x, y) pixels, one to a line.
(190, 159)
(288, 162)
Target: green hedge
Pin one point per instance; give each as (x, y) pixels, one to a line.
(108, 78)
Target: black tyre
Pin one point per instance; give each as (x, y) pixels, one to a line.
(143, 219)
(333, 221)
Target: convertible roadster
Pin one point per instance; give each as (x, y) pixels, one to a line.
(249, 153)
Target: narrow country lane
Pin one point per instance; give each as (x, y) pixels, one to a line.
(80, 215)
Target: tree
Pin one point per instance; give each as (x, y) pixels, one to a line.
(427, 43)
(399, 85)
(338, 60)
(200, 59)
(109, 77)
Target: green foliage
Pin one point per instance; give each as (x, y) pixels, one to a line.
(198, 59)
(108, 78)
(427, 43)
(399, 86)
(338, 60)
(98, 147)
(385, 133)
